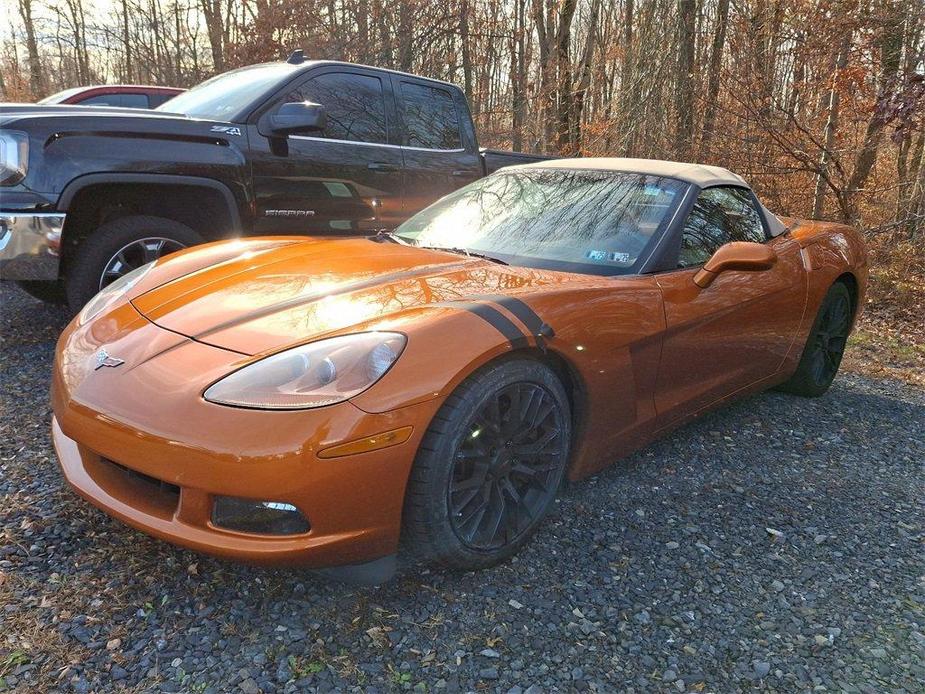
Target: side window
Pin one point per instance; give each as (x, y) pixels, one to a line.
(100, 100)
(122, 100)
(354, 105)
(430, 117)
(134, 100)
(720, 215)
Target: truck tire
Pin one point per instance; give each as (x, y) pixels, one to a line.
(118, 247)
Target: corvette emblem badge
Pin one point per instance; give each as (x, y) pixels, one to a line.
(103, 359)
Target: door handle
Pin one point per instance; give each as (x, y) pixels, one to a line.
(463, 173)
(381, 167)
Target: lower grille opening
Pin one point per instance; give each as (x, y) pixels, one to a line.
(161, 493)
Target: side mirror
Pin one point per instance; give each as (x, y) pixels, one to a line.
(298, 117)
(738, 255)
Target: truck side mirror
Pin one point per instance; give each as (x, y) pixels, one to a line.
(298, 117)
(737, 255)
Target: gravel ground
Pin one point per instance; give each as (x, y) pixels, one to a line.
(777, 544)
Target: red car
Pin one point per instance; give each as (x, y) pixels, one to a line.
(124, 95)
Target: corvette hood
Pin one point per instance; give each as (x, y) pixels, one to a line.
(305, 290)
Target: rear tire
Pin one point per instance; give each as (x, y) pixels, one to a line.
(825, 345)
(137, 240)
(489, 467)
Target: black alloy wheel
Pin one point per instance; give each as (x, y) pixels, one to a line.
(825, 345)
(505, 467)
(831, 337)
(489, 466)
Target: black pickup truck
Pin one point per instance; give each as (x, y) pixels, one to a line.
(294, 147)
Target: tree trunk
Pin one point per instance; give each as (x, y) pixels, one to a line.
(684, 87)
(911, 195)
(627, 87)
(831, 126)
(585, 79)
(406, 48)
(518, 76)
(890, 45)
(464, 41)
(36, 78)
(363, 31)
(126, 43)
(716, 64)
(212, 10)
(547, 95)
(564, 64)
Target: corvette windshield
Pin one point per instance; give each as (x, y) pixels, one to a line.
(594, 222)
(225, 96)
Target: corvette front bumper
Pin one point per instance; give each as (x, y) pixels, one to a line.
(139, 442)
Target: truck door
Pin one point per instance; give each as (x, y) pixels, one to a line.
(438, 141)
(346, 179)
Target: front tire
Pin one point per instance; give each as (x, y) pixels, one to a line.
(825, 345)
(489, 467)
(118, 247)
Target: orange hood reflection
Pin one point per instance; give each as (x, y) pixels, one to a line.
(302, 291)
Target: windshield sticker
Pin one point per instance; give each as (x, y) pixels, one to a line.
(609, 257)
(227, 129)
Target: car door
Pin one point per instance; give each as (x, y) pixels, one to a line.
(346, 179)
(438, 144)
(736, 332)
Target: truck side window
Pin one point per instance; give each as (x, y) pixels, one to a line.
(123, 100)
(720, 215)
(430, 117)
(354, 105)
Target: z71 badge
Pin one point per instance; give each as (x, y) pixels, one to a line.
(227, 129)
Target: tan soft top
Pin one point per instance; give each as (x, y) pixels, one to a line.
(698, 174)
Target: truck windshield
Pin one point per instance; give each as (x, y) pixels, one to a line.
(592, 222)
(227, 95)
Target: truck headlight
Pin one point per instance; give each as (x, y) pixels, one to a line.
(313, 375)
(14, 156)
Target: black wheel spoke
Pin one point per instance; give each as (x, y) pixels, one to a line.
(537, 447)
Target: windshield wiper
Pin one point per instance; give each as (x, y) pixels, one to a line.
(466, 251)
(386, 235)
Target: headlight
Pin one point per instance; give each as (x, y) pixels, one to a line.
(14, 156)
(113, 291)
(313, 375)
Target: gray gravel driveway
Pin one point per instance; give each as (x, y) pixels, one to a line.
(777, 544)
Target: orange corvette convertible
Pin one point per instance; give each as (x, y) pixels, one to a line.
(325, 402)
